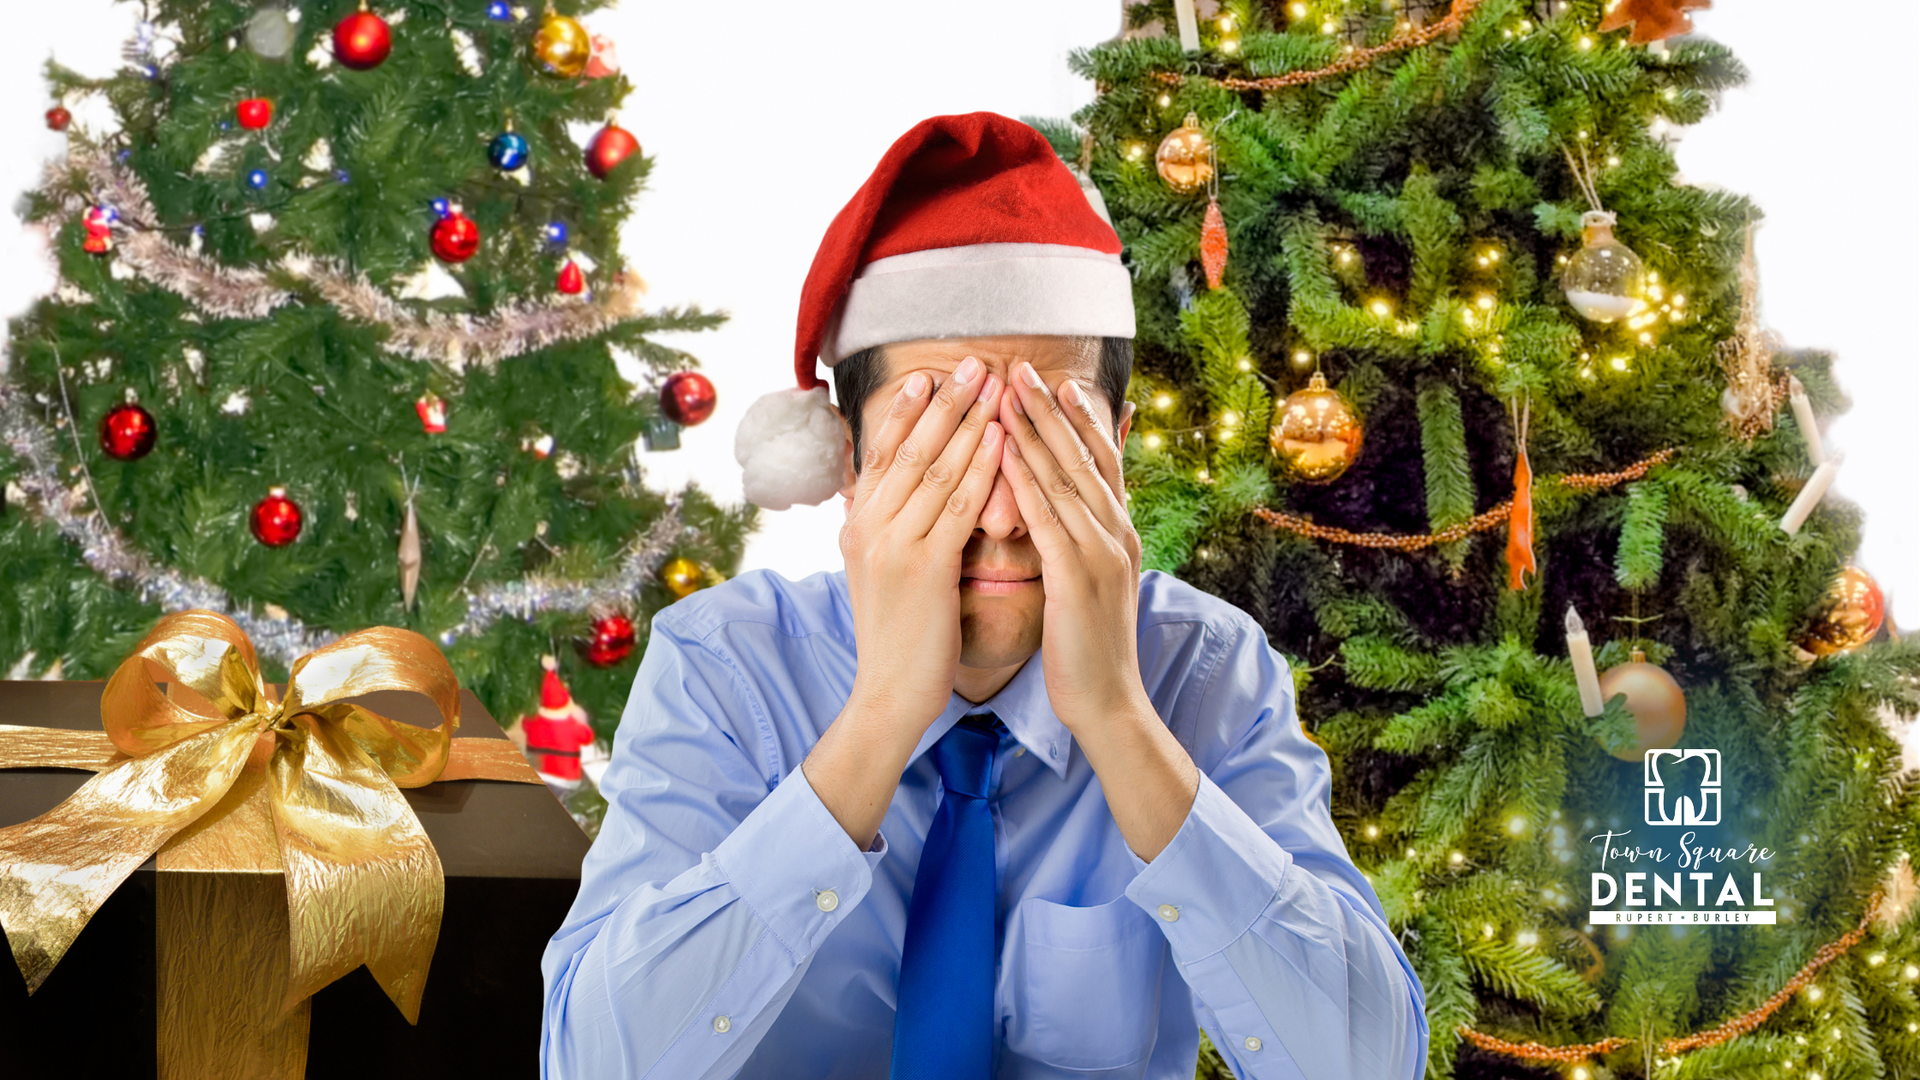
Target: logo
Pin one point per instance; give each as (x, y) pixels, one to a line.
(1705, 810)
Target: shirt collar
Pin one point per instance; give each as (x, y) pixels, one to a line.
(1022, 705)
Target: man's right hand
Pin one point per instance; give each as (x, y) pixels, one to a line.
(926, 473)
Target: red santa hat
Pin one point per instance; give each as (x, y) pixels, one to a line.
(970, 226)
(556, 701)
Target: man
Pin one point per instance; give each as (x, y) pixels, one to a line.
(857, 828)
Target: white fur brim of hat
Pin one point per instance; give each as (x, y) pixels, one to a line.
(793, 444)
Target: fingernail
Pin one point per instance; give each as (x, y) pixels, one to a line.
(1029, 376)
(1070, 392)
(989, 388)
(1014, 445)
(992, 433)
(916, 385)
(1018, 405)
(964, 374)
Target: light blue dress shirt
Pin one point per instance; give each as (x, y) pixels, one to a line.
(727, 927)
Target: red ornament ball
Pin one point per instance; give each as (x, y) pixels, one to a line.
(687, 397)
(276, 519)
(571, 281)
(613, 145)
(610, 641)
(362, 40)
(58, 118)
(254, 113)
(455, 238)
(127, 432)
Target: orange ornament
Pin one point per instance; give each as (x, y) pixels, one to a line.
(1213, 244)
(1653, 20)
(1520, 561)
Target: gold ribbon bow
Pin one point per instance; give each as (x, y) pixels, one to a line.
(363, 882)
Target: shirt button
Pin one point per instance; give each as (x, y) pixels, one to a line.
(722, 1024)
(1019, 751)
(827, 900)
(1253, 1042)
(1169, 913)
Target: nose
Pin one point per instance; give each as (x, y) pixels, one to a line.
(1000, 519)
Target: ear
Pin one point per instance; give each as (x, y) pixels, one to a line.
(1126, 424)
(848, 478)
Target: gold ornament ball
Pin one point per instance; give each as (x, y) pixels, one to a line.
(1318, 434)
(561, 47)
(683, 577)
(1185, 157)
(1658, 705)
(1855, 609)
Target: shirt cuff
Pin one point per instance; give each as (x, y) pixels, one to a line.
(794, 865)
(1207, 887)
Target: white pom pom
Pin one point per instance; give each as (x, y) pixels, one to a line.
(793, 448)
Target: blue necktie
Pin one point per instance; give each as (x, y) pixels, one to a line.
(944, 1027)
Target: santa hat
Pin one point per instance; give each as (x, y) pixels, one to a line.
(556, 701)
(970, 226)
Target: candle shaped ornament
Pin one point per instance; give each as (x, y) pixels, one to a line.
(1188, 24)
(1585, 675)
(1803, 416)
(1810, 496)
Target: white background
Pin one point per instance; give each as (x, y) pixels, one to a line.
(763, 126)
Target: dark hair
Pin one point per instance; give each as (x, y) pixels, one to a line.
(859, 375)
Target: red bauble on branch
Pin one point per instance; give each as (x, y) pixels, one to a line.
(571, 281)
(611, 146)
(455, 237)
(610, 641)
(362, 40)
(127, 432)
(276, 519)
(58, 118)
(687, 397)
(254, 113)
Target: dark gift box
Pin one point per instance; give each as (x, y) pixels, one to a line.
(132, 998)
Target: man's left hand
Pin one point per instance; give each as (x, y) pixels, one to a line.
(1065, 473)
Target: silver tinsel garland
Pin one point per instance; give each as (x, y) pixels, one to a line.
(89, 176)
(274, 633)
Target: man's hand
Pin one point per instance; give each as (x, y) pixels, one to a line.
(925, 475)
(1065, 472)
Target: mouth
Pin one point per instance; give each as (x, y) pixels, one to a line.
(993, 581)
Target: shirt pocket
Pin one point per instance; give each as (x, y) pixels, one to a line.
(1086, 991)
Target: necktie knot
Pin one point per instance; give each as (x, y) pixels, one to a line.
(964, 756)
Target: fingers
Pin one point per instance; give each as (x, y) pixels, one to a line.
(1060, 461)
(902, 413)
(1085, 417)
(961, 511)
(940, 482)
(920, 449)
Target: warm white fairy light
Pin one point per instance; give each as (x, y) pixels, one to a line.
(1380, 308)
(1152, 440)
(1527, 939)
(1243, 364)
(1299, 11)
(1228, 45)
(1166, 100)
(1618, 363)
(1163, 401)
(1485, 300)
(1585, 43)
(1486, 930)
(1456, 858)
(1372, 831)
(1517, 824)
(1136, 151)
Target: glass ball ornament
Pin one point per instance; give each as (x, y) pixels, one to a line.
(561, 47)
(254, 113)
(1658, 705)
(1318, 434)
(1852, 613)
(362, 40)
(1185, 157)
(59, 118)
(127, 432)
(1605, 280)
(455, 237)
(276, 519)
(258, 179)
(682, 576)
(500, 11)
(556, 233)
(609, 641)
(612, 145)
(270, 32)
(508, 151)
(687, 398)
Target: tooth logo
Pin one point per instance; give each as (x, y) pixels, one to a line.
(1690, 806)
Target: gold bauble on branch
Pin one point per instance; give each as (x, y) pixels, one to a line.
(683, 577)
(561, 47)
(1185, 157)
(1854, 611)
(1658, 705)
(1318, 434)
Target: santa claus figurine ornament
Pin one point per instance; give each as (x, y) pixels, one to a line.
(552, 737)
(970, 226)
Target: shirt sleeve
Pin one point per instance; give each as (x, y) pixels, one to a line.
(1294, 970)
(707, 892)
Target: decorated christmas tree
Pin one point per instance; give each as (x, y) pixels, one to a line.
(1447, 378)
(343, 338)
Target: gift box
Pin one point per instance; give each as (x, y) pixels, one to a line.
(183, 971)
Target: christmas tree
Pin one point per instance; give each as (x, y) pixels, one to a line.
(1434, 347)
(343, 339)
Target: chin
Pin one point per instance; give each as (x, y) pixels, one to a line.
(999, 631)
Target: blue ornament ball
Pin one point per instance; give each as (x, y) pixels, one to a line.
(557, 233)
(509, 151)
(440, 207)
(257, 179)
(500, 11)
